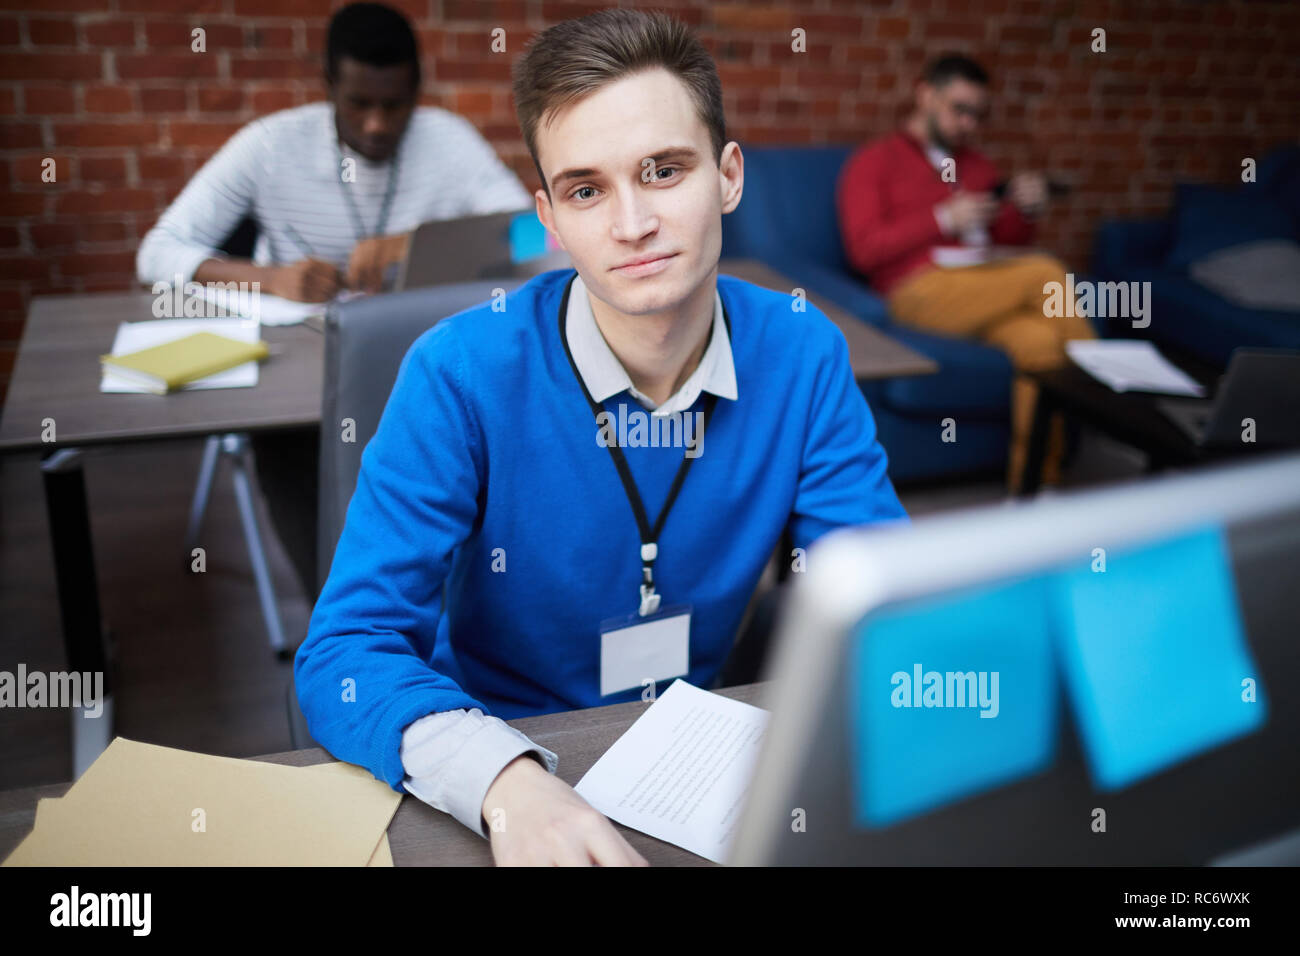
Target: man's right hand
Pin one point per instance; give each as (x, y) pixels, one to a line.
(966, 211)
(536, 819)
(307, 280)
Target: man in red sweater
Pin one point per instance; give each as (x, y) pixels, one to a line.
(920, 221)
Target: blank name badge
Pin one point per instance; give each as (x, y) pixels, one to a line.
(635, 649)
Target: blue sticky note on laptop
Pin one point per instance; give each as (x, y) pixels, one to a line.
(1155, 663)
(951, 696)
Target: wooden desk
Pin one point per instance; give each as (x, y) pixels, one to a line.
(422, 836)
(872, 353)
(56, 374)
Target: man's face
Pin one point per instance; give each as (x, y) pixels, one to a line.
(953, 112)
(609, 207)
(372, 105)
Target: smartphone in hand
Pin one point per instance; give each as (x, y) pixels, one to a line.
(1054, 189)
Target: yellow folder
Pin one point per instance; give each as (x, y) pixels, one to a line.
(164, 367)
(144, 805)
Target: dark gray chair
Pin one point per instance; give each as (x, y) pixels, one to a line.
(365, 342)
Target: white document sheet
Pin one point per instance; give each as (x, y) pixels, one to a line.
(270, 309)
(1131, 365)
(134, 336)
(682, 771)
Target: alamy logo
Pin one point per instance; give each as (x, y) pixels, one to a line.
(205, 300)
(1121, 300)
(102, 909)
(638, 429)
(57, 689)
(947, 689)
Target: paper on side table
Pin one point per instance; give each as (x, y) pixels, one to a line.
(1131, 365)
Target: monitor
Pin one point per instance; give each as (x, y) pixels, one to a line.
(1099, 677)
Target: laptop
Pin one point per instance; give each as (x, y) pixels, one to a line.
(493, 246)
(1123, 655)
(1262, 385)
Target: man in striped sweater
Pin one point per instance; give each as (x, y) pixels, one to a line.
(335, 187)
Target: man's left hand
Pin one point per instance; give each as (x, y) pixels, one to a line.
(371, 258)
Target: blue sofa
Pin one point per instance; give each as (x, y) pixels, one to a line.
(787, 219)
(1185, 314)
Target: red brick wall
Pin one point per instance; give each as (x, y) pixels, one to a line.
(110, 90)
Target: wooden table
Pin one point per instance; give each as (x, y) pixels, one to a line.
(422, 836)
(56, 374)
(872, 353)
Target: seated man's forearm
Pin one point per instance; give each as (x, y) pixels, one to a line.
(232, 270)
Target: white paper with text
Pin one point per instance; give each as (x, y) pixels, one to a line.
(681, 773)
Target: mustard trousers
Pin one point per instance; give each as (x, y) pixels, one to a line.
(1001, 304)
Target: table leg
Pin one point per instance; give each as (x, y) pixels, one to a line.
(1036, 454)
(78, 590)
(237, 447)
(202, 490)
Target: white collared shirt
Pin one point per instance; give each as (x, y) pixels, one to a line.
(605, 376)
(451, 758)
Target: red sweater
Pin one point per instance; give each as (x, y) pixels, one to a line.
(886, 196)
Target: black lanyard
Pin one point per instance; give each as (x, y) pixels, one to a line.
(358, 226)
(649, 535)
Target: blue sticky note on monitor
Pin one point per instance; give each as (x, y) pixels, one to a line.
(1154, 659)
(951, 696)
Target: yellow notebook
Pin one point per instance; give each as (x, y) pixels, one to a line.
(171, 365)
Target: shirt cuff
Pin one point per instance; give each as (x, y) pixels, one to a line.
(452, 758)
(944, 220)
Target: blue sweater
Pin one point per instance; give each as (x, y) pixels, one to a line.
(487, 442)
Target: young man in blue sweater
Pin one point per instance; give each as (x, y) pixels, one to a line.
(552, 466)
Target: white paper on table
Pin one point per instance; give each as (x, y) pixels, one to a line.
(134, 336)
(681, 773)
(1131, 365)
(269, 309)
